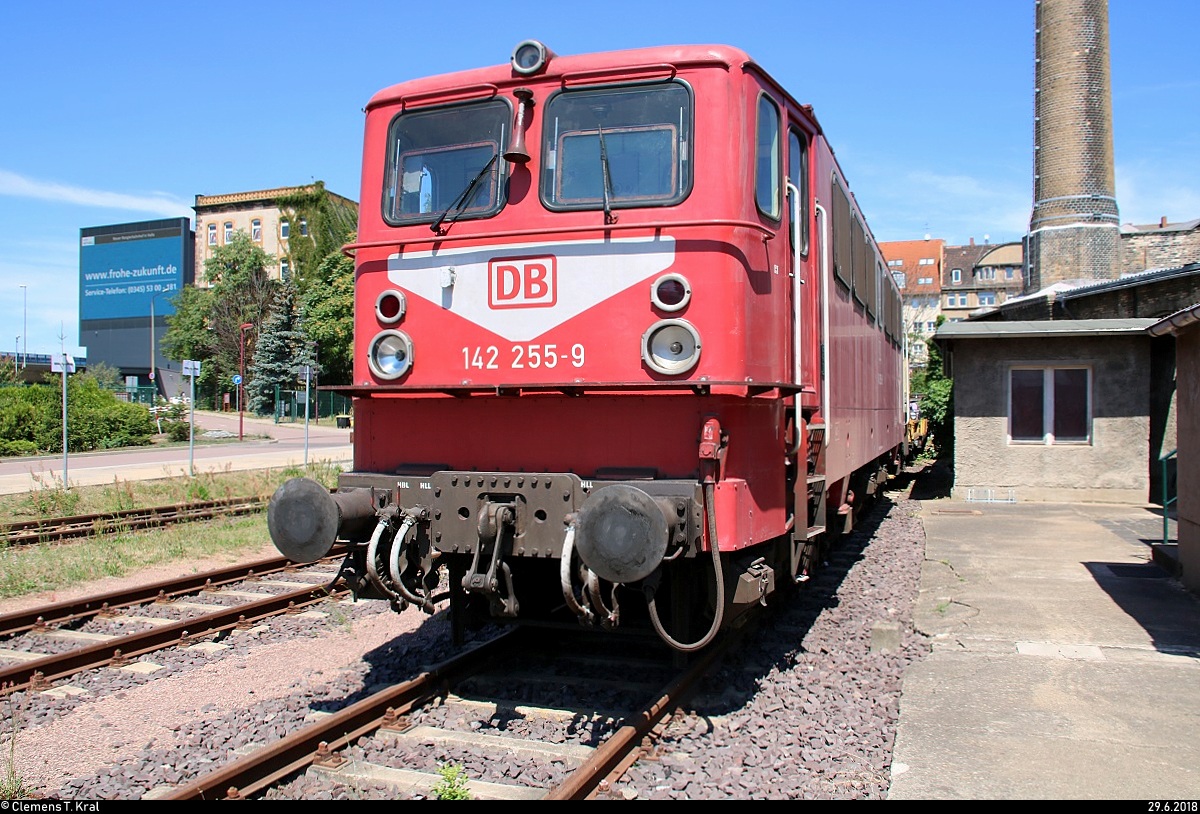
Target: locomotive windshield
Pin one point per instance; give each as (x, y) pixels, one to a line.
(617, 147)
(442, 163)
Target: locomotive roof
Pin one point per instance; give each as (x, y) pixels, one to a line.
(502, 75)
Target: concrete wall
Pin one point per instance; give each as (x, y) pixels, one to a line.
(1188, 358)
(1113, 468)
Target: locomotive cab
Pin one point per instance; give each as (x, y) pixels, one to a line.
(615, 363)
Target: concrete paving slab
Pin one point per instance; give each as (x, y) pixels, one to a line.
(1065, 664)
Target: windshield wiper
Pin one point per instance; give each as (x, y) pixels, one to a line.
(461, 201)
(605, 178)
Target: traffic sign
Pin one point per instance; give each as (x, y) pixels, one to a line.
(237, 379)
(62, 361)
(191, 367)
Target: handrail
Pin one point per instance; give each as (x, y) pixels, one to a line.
(350, 248)
(1166, 501)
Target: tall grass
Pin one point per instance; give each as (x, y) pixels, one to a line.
(33, 568)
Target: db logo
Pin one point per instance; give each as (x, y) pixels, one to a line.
(529, 282)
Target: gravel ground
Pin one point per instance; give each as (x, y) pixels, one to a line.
(806, 710)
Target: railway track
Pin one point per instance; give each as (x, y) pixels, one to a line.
(453, 709)
(28, 666)
(58, 529)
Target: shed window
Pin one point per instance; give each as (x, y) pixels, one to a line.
(1049, 405)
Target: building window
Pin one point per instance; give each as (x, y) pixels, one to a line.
(303, 228)
(895, 262)
(212, 234)
(285, 270)
(987, 298)
(228, 231)
(956, 276)
(284, 229)
(924, 281)
(930, 327)
(1008, 274)
(256, 230)
(899, 277)
(925, 261)
(1049, 405)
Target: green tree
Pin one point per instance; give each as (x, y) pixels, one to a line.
(936, 392)
(318, 224)
(280, 354)
(328, 309)
(207, 323)
(105, 375)
(188, 335)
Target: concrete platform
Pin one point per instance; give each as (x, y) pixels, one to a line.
(1065, 660)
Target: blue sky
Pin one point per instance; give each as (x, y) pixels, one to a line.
(122, 112)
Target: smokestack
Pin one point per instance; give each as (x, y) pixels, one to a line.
(1074, 231)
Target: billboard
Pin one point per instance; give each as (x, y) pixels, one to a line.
(129, 272)
(122, 267)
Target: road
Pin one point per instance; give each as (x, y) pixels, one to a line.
(264, 444)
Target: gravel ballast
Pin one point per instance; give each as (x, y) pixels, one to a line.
(806, 708)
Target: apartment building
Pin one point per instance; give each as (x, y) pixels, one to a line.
(916, 266)
(980, 276)
(275, 219)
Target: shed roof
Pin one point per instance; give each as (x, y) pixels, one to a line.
(1176, 322)
(1024, 329)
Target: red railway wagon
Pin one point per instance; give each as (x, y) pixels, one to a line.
(627, 354)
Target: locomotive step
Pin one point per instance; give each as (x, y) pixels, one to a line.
(814, 531)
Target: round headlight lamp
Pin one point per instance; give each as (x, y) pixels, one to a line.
(671, 292)
(529, 57)
(390, 306)
(390, 354)
(671, 346)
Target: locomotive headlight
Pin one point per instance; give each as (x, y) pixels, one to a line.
(671, 346)
(671, 292)
(390, 354)
(529, 57)
(390, 306)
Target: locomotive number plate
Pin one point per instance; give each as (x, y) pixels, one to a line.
(518, 357)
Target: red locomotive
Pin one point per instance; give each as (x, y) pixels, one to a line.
(626, 351)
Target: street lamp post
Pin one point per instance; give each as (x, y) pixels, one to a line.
(242, 375)
(25, 324)
(153, 354)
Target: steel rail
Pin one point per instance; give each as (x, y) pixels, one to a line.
(35, 674)
(73, 609)
(294, 752)
(619, 751)
(26, 532)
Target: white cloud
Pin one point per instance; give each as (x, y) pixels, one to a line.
(1146, 193)
(18, 186)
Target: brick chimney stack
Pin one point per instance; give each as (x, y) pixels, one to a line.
(1074, 231)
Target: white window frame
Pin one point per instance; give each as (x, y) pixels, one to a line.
(228, 231)
(212, 234)
(256, 230)
(956, 276)
(285, 228)
(1048, 438)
